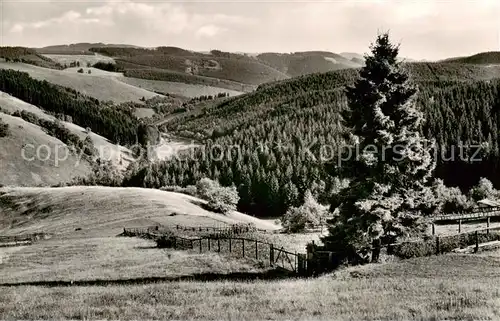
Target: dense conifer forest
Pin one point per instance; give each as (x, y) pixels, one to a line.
(281, 130)
(117, 124)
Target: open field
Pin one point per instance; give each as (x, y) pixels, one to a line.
(30, 169)
(433, 288)
(107, 150)
(97, 85)
(109, 258)
(105, 211)
(178, 88)
(83, 59)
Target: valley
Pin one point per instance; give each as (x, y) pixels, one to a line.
(204, 148)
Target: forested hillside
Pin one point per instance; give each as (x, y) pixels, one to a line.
(27, 55)
(118, 125)
(281, 130)
(491, 57)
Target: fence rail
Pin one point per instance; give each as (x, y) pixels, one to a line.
(264, 252)
(477, 213)
(23, 239)
(316, 259)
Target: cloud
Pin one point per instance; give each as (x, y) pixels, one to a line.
(209, 31)
(426, 29)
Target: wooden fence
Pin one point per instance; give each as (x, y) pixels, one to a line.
(23, 239)
(475, 214)
(316, 259)
(264, 252)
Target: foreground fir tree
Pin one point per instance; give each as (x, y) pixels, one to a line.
(391, 170)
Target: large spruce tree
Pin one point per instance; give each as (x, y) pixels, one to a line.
(391, 160)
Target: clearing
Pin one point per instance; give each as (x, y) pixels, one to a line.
(119, 155)
(99, 84)
(178, 88)
(105, 211)
(30, 169)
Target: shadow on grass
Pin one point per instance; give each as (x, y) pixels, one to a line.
(274, 274)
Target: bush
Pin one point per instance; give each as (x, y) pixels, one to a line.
(189, 190)
(4, 129)
(220, 199)
(311, 214)
(80, 70)
(484, 189)
(449, 199)
(104, 173)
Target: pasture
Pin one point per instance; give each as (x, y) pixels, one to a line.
(432, 288)
(99, 84)
(178, 88)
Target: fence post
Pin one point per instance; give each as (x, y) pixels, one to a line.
(459, 226)
(375, 250)
(200, 245)
(476, 249)
(208, 239)
(271, 254)
(243, 246)
(433, 229)
(192, 245)
(437, 245)
(230, 250)
(218, 245)
(488, 225)
(256, 250)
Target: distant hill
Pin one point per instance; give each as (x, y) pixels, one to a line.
(308, 62)
(27, 55)
(491, 57)
(78, 48)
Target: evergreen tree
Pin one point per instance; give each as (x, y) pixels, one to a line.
(389, 177)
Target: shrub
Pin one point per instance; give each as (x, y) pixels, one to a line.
(311, 214)
(4, 129)
(189, 190)
(484, 189)
(104, 173)
(80, 70)
(449, 199)
(220, 199)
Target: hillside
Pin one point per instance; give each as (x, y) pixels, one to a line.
(483, 58)
(288, 134)
(304, 63)
(101, 86)
(104, 211)
(216, 64)
(29, 56)
(38, 165)
(116, 153)
(77, 48)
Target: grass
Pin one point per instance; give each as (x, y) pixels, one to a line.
(109, 258)
(105, 211)
(178, 88)
(433, 288)
(100, 84)
(29, 169)
(109, 150)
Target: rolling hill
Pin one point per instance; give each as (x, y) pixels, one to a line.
(100, 85)
(483, 58)
(77, 48)
(119, 155)
(105, 210)
(304, 63)
(39, 165)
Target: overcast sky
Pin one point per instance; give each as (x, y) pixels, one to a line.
(425, 29)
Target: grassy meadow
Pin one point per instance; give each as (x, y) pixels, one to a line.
(432, 288)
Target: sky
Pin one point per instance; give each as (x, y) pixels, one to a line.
(425, 29)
